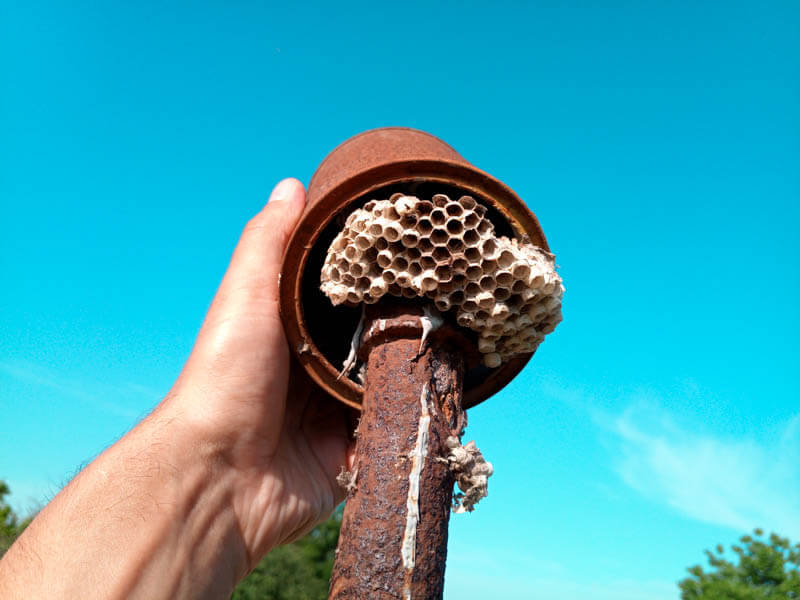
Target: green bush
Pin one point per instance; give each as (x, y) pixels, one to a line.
(765, 569)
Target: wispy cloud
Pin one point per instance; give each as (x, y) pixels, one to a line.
(112, 399)
(714, 477)
(738, 483)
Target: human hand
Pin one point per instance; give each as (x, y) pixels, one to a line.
(282, 439)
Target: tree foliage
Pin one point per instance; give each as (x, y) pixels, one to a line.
(297, 571)
(764, 569)
(10, 524)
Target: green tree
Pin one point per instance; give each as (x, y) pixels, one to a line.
(10, 524)
(765, 569)
(297, 571)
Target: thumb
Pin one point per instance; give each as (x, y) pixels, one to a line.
(252, 275)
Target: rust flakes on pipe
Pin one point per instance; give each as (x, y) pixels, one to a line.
(393, 542)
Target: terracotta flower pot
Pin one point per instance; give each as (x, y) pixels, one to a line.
(373, 165)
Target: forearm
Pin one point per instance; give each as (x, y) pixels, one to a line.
(152, 517)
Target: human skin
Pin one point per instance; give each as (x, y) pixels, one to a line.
(240, 457)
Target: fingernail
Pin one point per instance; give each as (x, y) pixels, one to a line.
(282, 191)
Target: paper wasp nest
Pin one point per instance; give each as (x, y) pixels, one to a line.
(447, 251)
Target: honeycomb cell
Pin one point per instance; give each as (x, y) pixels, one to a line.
(445, 287)
(514, 302)
(409, 221)
(460, 264)
(438, 217)
(523, 321)
(455, 245)
(410, 239)
(428, 281)
(424, 226)
(370, 254)
(456, 297)
(454, 209)
(505, 258)
(442, 304)
(485, 300)
(399, 263)
(471, 237)
(425, 245)
(424, 207)
(405, 205)
(472, 254)
(486, 346)
(443, 273)
(392, 231)
(440, 200)
(488, 248)
(384, 259)
(473, 272)
(549, 326)
(439, 236)
(440, 254)
(471, 220)
(500, 310)
(454, 227)
(472, 289)
(504, 279)
(492, 360)
(427, 261)
(521, 271)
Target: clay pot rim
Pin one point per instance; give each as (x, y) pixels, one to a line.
(338, 199)
(353, 139)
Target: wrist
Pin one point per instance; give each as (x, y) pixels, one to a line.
(189, 495)
(148, 518)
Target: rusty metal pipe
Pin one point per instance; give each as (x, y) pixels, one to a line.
(393, 540)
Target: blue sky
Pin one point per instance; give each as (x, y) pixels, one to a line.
(658, 143)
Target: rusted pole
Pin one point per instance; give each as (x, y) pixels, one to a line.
(393, 540)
